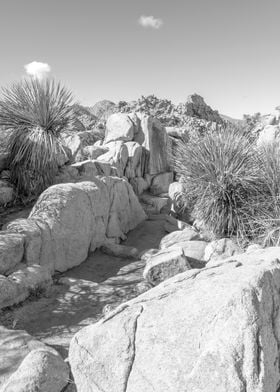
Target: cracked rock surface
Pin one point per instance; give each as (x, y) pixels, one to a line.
(213, 329)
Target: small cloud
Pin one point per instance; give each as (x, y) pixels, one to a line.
(150, 21)
(37, 69)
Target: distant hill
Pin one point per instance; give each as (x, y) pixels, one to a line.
(235, 121)
(102, 109)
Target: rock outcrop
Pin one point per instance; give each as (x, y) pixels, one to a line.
(195, 106)
(67, 222)
(70, 220)
(214, 329)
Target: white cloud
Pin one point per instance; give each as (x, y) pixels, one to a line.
(37, 69)
(150, 21)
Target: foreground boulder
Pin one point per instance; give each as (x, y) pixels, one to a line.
(214, 329)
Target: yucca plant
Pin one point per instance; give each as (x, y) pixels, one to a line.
(37, 111)
(221, 176)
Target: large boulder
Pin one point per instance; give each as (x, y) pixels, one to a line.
(27, 365)
(152, 135)
(134, 165)
(125, 210)
(70, 220)
(214, 329)
(119, 126)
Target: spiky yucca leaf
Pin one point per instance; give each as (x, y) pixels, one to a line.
(221, 177)
(37, 111)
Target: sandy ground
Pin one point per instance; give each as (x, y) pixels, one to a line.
(80, 295)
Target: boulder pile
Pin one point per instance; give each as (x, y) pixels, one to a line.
(135, 146)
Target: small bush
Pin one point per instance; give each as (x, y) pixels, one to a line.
(37, 112)
(222, 179)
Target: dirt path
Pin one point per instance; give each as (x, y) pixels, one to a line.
(78, 300)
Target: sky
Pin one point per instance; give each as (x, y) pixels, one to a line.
(225, 50)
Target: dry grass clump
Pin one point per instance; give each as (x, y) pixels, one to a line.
(221, 175)
(37, 111)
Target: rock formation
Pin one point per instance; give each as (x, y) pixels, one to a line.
(70, 220)
(213, 329)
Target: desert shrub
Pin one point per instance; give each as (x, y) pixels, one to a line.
(221, 176)
(37, 111)
(265, 223)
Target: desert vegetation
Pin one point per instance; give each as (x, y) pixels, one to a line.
(231, 184)
(37, 111)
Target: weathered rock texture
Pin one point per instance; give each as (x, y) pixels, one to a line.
(70, 220)
(27, 365)
(214, 329)
(135, 147)
(18, 286)
(41, 370)
(221, 249)
(165, 264)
